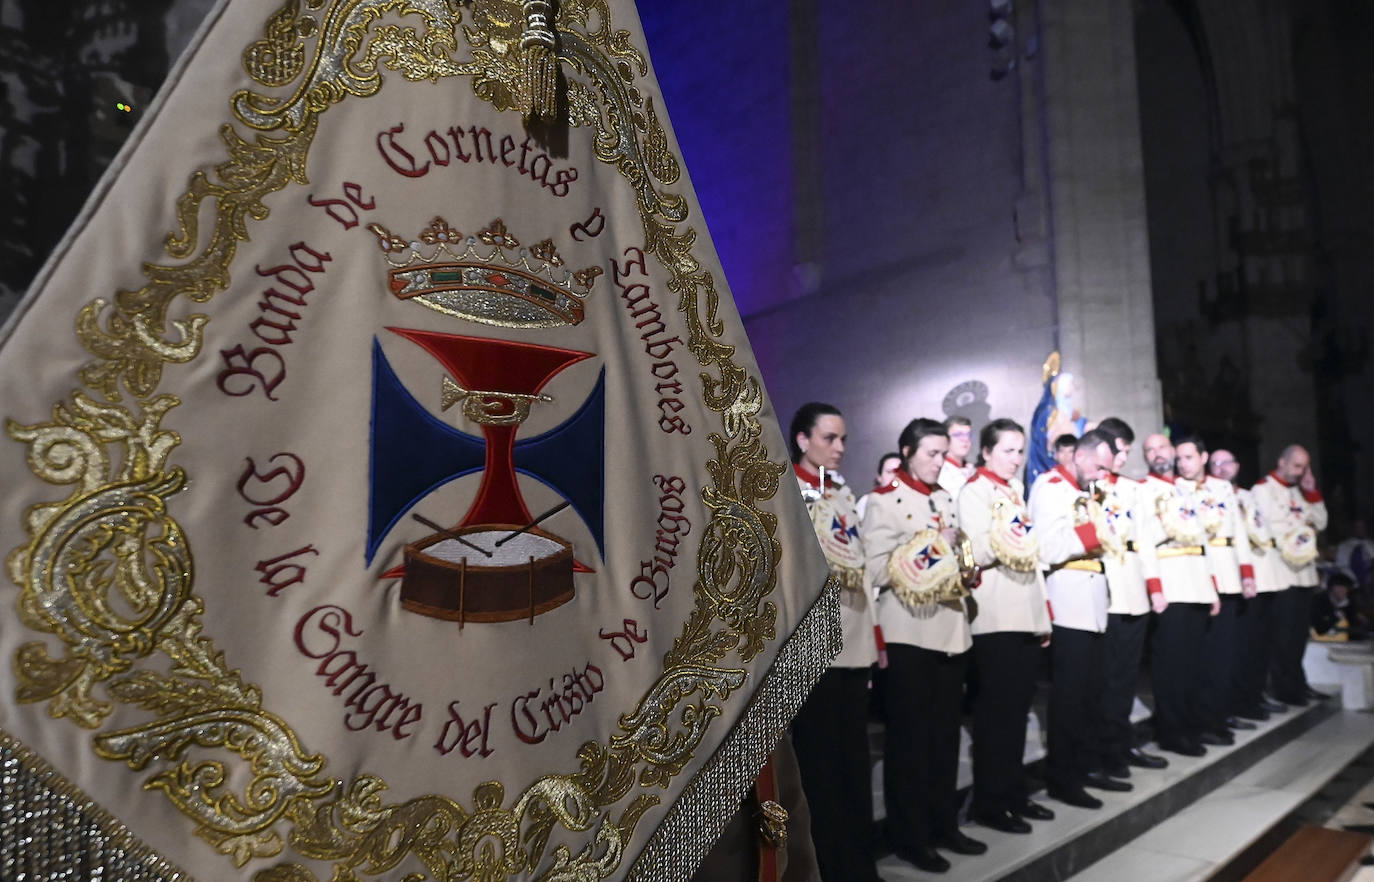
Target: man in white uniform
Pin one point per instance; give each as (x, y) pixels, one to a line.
(1292, 505)
(1070, 549)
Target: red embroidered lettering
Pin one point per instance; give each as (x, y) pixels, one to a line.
(585, 227)
(240, 364)
(468, 738)
(624, 641)
(277, 574)
(410, 169)
(293, 473)
(370, 703)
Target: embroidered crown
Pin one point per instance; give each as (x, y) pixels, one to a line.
(487, 277)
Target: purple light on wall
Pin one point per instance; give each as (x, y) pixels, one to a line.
(723, 69)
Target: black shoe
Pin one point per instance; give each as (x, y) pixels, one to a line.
(1256, 713)
(1035, 811)
(1117, 770)
(1273, 707)
(1239, 725)
(959, 843)
(1317, 694)
(927, 859)
(1217, 739)
(1100, 781)
(1005, 821)
(1075, 796)
(1138, 757)
(1183, 748)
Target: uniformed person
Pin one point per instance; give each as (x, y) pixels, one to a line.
(1009, 627)
(956, 468)
(911, 539)
(1070, 549)
(886, 475)
(830, 732)
(1292, 505)
(1252, 671)
(1228, 551)
(1190, 598)
(1132, 586)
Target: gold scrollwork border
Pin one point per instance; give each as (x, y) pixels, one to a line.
(109, 572)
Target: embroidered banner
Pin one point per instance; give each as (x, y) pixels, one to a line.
(390, 488)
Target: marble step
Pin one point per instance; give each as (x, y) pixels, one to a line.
(1079, 838)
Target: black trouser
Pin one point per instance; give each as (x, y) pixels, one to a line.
(921, 758)
(1124, 644)
(830, 735)
(1288, 634)
(1220, 656)
(1251, 675)
(1006, 663)
(1176, 670)
(1073, 744)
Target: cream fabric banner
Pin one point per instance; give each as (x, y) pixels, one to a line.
(389, 486)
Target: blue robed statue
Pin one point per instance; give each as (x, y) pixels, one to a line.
(1055, 415)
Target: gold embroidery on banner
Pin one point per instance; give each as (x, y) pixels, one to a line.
(108, 571)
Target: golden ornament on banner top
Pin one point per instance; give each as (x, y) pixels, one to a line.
(393, 492)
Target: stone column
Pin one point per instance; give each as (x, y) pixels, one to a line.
(1098, 227)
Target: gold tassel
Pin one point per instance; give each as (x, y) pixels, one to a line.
(541, 61)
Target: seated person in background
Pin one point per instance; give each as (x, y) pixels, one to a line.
(1332, 610)
(1064, 447)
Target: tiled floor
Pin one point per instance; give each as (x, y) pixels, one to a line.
(1357, 812)
(1221, 824)
(1193, 843)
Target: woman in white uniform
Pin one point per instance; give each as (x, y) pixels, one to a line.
(909, 532)
(830, 732)
(1010, 624)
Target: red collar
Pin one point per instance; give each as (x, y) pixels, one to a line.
(1169, 480)
(810, 477)
(954, 462)
(919, 486)
(1282, 482)
(1112, 478)
(991, 476)
(1064, 473)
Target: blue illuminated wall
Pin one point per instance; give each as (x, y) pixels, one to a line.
(921, 281)
(723, 68)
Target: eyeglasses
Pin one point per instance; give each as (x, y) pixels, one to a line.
(961, 434)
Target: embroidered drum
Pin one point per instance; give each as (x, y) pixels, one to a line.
(1010, 536)
(925, 570)
(1299, 548)
(839, 539)
(524, 576)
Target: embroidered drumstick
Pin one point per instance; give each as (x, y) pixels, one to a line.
(545, 516)
(449, 533)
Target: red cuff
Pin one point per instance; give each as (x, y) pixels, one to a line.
(1087, 534)
(1312, 496)
(1216, 586)
(1050, 609)
(977, 581)
(1154, 586)
(1247, 571)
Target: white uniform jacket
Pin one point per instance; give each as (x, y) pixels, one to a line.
(1006, 599)
(1132, 575)
(1228, 545)
(894, 514)
(1184, 569)
(1076, 584)
(953, 476)
(856, 605)
(1287, 509)
(1263, 554)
